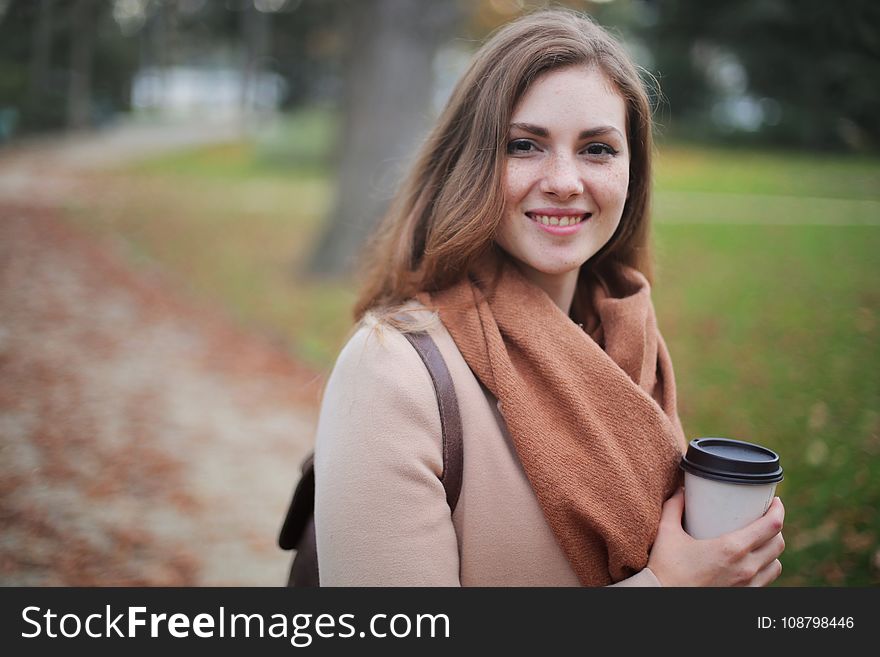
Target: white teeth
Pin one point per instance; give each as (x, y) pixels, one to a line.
(557, 221)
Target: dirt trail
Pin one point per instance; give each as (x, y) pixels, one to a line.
(143, 440)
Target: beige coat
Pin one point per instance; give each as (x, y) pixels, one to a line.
(380, 508)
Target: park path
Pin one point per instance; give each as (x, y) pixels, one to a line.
(144, 439)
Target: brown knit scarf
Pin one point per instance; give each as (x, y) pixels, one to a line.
(592, 414)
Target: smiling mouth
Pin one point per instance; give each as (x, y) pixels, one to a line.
(550, 220)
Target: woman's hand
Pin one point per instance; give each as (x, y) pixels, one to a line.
(745, 557)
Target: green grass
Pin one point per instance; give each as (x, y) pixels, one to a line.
(299, 144)
(833, 176)
(234, 224)
(774, 335)
(766, 291)
(239, 246)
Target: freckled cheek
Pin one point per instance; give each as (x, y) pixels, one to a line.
(518, 180)
(612, 187)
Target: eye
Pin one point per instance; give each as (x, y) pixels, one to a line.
(600, 149)
(520, 147)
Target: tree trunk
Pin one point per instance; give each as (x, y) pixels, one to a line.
(82, 48)
(389, 88)
(256, 35)
(41, 52)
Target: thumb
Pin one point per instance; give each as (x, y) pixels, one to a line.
(673, 508)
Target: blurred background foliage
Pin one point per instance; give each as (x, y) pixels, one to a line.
(795, 73)
(767, 203)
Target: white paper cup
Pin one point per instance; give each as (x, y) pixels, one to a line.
(727, 485)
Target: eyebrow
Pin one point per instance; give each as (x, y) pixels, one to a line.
(538, 131)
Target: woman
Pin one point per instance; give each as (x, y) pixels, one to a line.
(520, 243)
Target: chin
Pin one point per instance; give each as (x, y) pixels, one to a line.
(556, 268)
(559, 271)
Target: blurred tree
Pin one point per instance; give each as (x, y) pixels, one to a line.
(62, 63)
(257, 37)
(41, 51)
(309, 42)
(811, 65)
(388, 90)
(82, 45)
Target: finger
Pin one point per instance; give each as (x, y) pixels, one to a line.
(769, 551)
(768, 574)
(757, 533)
(673, 508)
(778, 503)
(776, 507)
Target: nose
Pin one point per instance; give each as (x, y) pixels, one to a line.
(562, 178)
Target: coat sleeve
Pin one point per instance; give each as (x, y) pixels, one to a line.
(381, 516)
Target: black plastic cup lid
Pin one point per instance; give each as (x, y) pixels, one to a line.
(734, 461)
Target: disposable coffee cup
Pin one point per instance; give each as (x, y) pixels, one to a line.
(727, 485)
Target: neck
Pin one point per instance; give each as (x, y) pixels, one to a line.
(559, 287)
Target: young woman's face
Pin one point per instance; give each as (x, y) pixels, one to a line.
(567, 171)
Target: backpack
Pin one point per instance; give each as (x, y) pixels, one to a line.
(298, 531)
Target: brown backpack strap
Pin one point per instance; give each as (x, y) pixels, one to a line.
(450, 419)
(298, 530)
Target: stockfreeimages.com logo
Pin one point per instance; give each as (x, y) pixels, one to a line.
(300, 629)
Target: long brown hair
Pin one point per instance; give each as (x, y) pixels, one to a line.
(447, 211)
